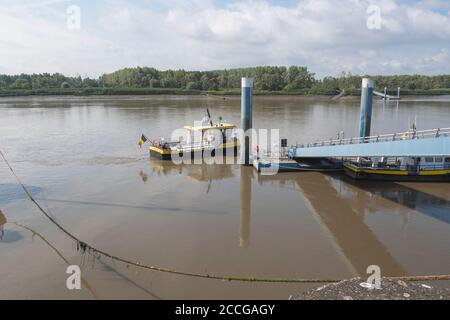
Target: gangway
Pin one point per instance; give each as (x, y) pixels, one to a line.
(434, 142)
(386, 96)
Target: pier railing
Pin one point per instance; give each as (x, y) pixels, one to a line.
(408, 135)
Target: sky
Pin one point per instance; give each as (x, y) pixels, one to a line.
(89, 38)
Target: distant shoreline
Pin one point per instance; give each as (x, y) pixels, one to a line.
(225, 94)
(105, 91)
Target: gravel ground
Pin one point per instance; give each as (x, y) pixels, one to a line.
(390, 290)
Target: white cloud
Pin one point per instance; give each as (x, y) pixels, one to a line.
(327, 35)
(430, 23)
(30, 43)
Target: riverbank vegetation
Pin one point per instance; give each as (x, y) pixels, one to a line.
(293, 80)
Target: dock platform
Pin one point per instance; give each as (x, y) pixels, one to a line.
(284, 164)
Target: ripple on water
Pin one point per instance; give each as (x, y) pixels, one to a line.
(9, 236)
(11, 192)
(112, 160)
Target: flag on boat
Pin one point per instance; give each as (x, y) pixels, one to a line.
(142, 140)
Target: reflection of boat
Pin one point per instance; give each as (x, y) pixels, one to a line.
(205, 140)
(400, 168)
(198, 172)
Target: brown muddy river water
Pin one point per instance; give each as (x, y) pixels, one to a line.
(79, 157)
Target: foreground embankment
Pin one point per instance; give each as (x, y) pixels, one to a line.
(356, 289)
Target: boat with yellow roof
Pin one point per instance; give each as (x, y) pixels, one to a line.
(205, 140)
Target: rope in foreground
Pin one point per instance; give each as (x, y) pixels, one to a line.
(83, 246)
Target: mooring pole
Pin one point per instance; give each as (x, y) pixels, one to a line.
(246, 206)
(385, 93)
(366, 107)
(398, 92)
(246, 118)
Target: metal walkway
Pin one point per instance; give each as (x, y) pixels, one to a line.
(435, 142)
(386, 96)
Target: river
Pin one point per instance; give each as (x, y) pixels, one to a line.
(80, 159)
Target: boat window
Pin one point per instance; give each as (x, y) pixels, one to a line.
(447, 160)
(429, 160)
(438, 160)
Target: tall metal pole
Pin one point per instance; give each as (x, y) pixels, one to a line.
(368, 86)
(246, 118)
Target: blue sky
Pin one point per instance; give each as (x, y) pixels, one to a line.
(328, 36)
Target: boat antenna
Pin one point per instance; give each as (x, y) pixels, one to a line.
(414, 124)
(209, 116)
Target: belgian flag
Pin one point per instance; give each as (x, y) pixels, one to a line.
(142, 140)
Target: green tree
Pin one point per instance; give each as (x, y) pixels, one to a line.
(21, 83)
(193, 85)
(65, 85)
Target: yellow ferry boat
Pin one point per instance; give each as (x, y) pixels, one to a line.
(205, 140)
(210, 143)
(399, 168)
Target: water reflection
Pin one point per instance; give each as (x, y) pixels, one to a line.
(127, 206)
(34, 233)
(197, 172)
(112, 269)
(7, 236)
(356, 241)
(339, 203)
(245, 205)
(2, 223)
(12, 191)
(10, 236)
(143, 176)
(209, 173)
(408, 197)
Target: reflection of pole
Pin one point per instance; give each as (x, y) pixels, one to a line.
(246, 118)
(246, 206)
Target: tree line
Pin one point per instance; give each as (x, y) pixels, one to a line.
(266, 78)
(45, 81)
(408, 82)
(270, 78)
